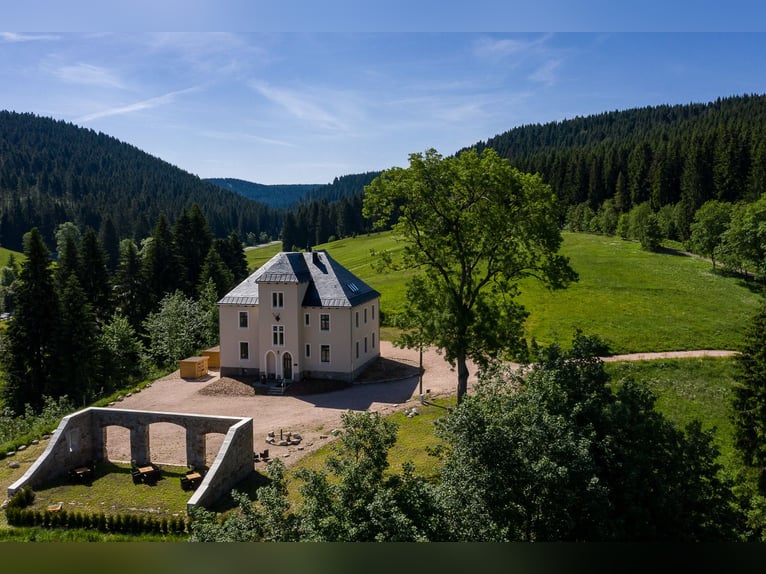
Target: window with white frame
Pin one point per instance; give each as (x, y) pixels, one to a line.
(243, 320)
(324, 322)
(308, 350)
(244, 350)
(373, 340)
(278, 335)
(365, 314)
(277, 299)
(373, 312)
(357, 349)
(325, 354)
(307, 319)
(365, 345)
(357, 318)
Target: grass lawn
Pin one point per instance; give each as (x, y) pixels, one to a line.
(689, 389)
(637, 301)
(6, 253)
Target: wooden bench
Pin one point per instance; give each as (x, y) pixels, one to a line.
(191, 481)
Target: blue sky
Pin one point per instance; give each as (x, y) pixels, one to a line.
(302, 101)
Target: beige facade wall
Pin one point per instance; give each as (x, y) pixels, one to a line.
(231, 335)
(293, 335)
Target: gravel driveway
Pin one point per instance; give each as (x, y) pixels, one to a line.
(393, 385)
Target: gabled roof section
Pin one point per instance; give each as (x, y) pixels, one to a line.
(329, 283)
(332, 284)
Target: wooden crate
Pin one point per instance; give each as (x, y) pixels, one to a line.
(213, 355)
(193, 367)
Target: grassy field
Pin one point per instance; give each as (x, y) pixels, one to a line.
(635, 300)
(689, 389)
(5, 255)
(686, 390)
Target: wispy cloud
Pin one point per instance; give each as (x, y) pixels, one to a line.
(546, 74)
(245, 137)
(135, 107)
(505, 47)
(300, 106)
(89, 75)
(15, 37)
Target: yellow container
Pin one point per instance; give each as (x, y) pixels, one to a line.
(193, 367)
(213, 355)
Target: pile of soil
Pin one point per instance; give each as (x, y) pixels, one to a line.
(227, 387)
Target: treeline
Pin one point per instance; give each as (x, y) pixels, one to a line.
(346, 186)
(106, 314)
(320, 221)
(52, 172)
(674, 158)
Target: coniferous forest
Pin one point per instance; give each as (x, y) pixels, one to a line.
(53, 171)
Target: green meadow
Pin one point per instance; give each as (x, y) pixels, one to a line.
(635, 300)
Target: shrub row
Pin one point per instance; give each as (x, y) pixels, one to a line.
(111, 523)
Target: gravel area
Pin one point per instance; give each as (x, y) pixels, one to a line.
(389, 385)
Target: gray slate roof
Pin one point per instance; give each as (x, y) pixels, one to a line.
(330, 284)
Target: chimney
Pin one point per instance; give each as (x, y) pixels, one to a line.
(315, 257)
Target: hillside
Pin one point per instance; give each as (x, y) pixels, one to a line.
(277, 196)
(673, 155)
(53, 171)
(290, 196)
(636, 300)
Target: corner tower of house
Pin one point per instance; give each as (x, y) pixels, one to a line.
(300, 316)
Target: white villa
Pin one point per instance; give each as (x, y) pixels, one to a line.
(301, 315)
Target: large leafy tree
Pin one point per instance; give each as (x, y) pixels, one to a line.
(179, 328)
(31, 337)
(556, 455)
(744, 242)
(472, 226)
(708, 228)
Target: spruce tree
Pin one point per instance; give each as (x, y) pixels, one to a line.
(78, 357)
(215, 269)
(129, 290)
(161, 269)
(29, 344)
(750, 396)
(94, 277)
(110, 241)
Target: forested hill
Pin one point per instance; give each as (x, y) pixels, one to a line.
(678, 155)
(53, 171)
(291, 196)
(277, 196)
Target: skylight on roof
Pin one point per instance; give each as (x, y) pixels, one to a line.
(353, 287)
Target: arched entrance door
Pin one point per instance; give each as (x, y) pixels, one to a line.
(271, 365)
(287, 367)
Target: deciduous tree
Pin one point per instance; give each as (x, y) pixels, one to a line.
(554, 454)
(473, 226)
